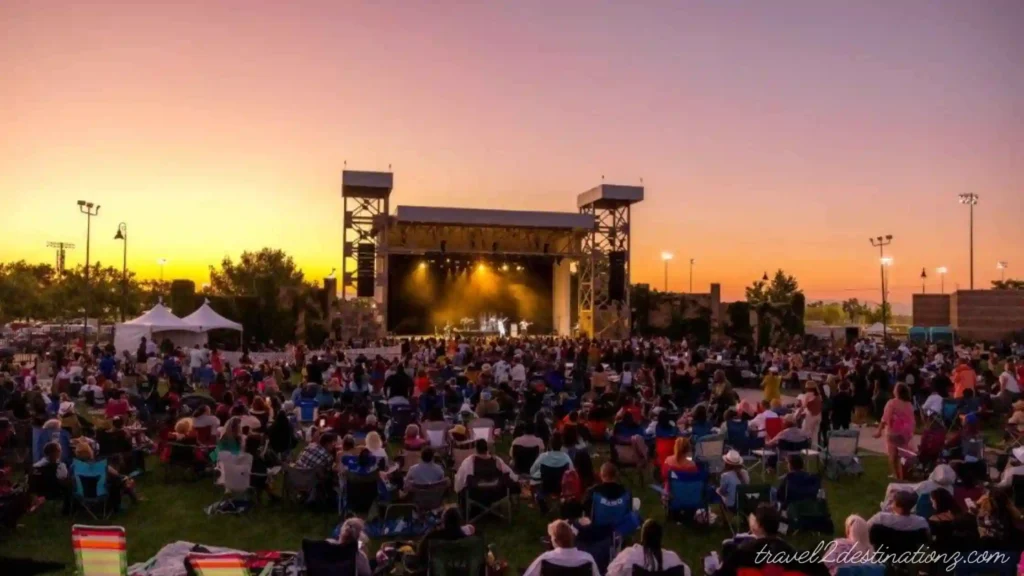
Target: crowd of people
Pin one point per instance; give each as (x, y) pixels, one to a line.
(442, 404)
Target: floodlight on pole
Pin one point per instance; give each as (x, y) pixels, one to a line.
(971, 200)
(881, 242)
(1002, 265)
(942, 270)
(665, 257)
(90, 210)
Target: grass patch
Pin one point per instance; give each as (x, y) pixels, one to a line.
(174, 511)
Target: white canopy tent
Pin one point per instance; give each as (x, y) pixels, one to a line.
(206, 319)
(875, 329)
(159, 323)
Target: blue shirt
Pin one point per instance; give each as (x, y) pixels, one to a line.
(552, 459)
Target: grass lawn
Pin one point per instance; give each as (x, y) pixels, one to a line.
(174, 511)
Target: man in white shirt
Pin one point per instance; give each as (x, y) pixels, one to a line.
(1008, 379)
(501, 371)
(756, 423)
(195, 362)
(468, 466)
(932, 404)
(518, 371)
(565, 553)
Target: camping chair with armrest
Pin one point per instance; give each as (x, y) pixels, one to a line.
(748, 498)
(737, 437)
(897, 542)
(481, 428)
(401, 417)
(226, 564)
(551, 480)
(236, 477)
(809, 515)
(628, 457)
(698, 431)
(99, 550)
(301, 484)
(687, 491)
(90, 486)
(800, 487)
(772, 427)
(487, 490)
(323, 558)
(463, 557)
(551, 569)
(929, 453)
(615, 516)
(523, 458)
(307, 408)
(708, 452)
(437, 435)
(840, 453)
(664, 446)
(181, 458)
(359, 493)
(428, 497)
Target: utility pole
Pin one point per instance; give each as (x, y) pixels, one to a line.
(881, 242)
(691, 274)
(971, 200)
(61, 248)
(90, 210)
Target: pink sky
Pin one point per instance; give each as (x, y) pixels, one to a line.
(768, 134)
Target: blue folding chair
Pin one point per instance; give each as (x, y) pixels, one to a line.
(616, 515)
(924, 507)
(40, 438)
(687, 491)
(737, 436)
(698, 431)
(307, 410)
(90, 486)
(950, 411)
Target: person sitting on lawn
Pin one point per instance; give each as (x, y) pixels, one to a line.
(764, 526)
(319, 455)
(733, 476)
(554, 458)
(852, 550)
(795, 484)
(902, 516)
(564, 552)
(469, 466)
(231, 436)
(648, 554)
(50, 476)
(678, 461)
(426, 472)
(610, 488)
(450, 530)
(413, 441)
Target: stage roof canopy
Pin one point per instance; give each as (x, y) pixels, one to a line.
(498, 218)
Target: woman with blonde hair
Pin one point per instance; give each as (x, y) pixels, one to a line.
(349, 537)
(376, 447)
(855, 548)
(678, 461)
(231, 436)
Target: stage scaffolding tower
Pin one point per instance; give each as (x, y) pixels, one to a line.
(366, 198)
(604, 306)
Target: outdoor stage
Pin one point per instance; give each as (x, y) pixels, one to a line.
(431, 269)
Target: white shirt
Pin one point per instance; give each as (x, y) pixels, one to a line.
(757, 422)
(1009, 382)
(623, 564)
(932, 404)
(467, 467)
(568, 557)
(500, 370)
(519, 373)
(195, 358)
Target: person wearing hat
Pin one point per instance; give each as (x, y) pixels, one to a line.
(733, 476)
(1017, 418)
(772, 384)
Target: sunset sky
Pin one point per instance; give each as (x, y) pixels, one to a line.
(768, 134)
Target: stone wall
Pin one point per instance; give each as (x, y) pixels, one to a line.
(931, 310)
(987, 314)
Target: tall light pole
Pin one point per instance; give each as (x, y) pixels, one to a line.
(924, 278)
(881, 242)
(90, 210)
(161, 262)
(942, 278)
(122, 235)
(971, 200)
(691, 274)
(666, 256)
(1002, 264)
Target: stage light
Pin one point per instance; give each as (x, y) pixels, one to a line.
(423, 264)
(481, 267)
(504, 267)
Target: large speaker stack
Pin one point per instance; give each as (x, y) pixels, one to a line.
(364, 270)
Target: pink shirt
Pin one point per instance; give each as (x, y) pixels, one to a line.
(899, 417)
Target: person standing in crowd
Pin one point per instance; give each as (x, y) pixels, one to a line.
(898, 425)
(772, 384)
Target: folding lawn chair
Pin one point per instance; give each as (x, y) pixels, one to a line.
(463, 557)
(708, 452)
(523, 458)
(437, 434)
(90, 486)
(950, 412)
(99, 550)
(428, 497)
(627, 456)
(810, 515)
(924, 507)
(840, 453)
(929, 452)
(551, 480)
(226, 564)
(301, 484)
(359, 493)
(481, 428)
(486, 490)
(772, 427)
(236, 477)
(616, 516)
(748, 498)
(459, 454)
(687, 491)
(551, 569)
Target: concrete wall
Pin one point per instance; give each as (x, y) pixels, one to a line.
(931, 310)
(987, 314)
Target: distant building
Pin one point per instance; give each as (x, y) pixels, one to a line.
(975, 314)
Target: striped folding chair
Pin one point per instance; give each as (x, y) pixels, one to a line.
(99, 550)
(226, 564)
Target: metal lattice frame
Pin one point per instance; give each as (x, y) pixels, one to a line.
(599, 315)
(360, 214)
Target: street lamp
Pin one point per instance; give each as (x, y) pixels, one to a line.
(924, 277)
(90, 210)
(692, 260)
(161, 262)
(881, 242)
(1002, 264)
(970, 199)
(666, 256)
(122, 235)
(942, 277)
